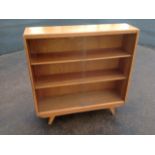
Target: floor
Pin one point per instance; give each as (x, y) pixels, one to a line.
(17, 114)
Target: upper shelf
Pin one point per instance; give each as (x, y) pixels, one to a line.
(67, 57)
(78, 30)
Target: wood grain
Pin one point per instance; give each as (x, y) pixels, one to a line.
(78, 30)
(75, 102)
(78, 56)
(78, 78)
(75, 44)
(84, 66)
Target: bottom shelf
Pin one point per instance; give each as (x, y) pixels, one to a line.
(78, 102)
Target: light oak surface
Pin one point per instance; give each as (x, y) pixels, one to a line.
(80, 30)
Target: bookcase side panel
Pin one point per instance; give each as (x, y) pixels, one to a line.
(31, 75)
(130, 44)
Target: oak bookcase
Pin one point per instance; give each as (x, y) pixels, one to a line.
(79, 68)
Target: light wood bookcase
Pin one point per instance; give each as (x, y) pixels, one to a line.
(79, 68)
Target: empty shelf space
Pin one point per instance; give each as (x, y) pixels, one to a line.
(66, 57)
(77, 78)
(79, 102)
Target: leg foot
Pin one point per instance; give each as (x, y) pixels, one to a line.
(113, 111)
(50, 120)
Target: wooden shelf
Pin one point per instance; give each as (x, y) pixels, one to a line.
(82, 102)
(78, 78)
(67, 57)
(79, 68)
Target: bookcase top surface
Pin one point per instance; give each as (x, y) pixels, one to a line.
(78, 30)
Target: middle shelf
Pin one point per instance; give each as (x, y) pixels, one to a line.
(69, 79)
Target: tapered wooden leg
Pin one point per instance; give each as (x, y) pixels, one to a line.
(50, 120)
(113, 111)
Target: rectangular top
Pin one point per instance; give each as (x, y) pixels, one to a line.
(78, 30)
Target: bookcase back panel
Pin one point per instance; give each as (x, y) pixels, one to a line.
(76, 89)
(75, 43)
(75, 67)
(124, 66)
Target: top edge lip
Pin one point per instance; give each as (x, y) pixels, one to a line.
(78, 30)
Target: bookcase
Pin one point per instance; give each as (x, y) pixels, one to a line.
(79, 68)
